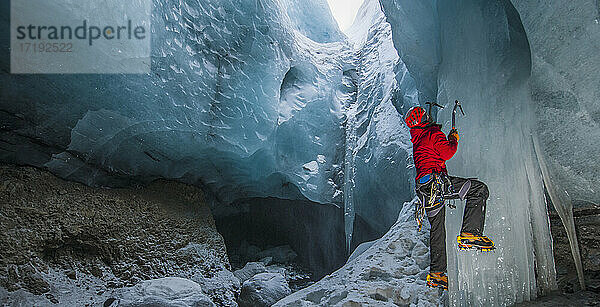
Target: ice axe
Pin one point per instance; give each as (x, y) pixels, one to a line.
(456, 105)
(432, 104)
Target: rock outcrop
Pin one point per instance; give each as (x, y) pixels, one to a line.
(65, 240)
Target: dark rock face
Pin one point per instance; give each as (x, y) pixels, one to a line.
(314, 231)
(102, 238)
(587, 224)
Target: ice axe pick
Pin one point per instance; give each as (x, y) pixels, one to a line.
(459, 106)
(432, 104)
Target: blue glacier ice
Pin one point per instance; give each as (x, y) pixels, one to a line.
(246, 99)
(267, 98)
(241, 100)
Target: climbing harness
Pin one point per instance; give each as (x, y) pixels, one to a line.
(432, 191)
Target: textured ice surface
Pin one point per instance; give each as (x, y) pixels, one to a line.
(417, 39)
(239, 100)
(564, 37)
(312, 19)
(565, 89)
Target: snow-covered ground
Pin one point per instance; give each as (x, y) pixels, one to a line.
(390, 272)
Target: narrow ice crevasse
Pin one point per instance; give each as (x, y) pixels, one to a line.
(349, 169)
(377, 179)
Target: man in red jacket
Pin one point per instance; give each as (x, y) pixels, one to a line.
(431, 150)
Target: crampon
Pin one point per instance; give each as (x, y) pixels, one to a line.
(468, 241)
(437, 280)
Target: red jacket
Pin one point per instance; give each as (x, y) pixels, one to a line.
(431, 149)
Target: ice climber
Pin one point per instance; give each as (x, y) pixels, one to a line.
(431, 149)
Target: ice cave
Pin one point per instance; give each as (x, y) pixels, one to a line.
(264, 159)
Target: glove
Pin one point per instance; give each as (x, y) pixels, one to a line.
(453, 134)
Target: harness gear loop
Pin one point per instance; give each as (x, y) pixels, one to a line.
(432, 189)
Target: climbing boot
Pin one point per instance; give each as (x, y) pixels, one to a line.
(468, 241)
(437, 280)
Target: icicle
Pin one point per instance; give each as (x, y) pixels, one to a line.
(349, 167)
(563, 205)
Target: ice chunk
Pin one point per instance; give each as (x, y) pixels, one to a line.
(312, 167)
(263, 290)
(321, 159)
(168, 291)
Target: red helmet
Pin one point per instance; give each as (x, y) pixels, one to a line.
(416, 116)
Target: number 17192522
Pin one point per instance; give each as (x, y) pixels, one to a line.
(46, 47)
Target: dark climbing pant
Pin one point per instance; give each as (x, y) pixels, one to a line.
(473, 221)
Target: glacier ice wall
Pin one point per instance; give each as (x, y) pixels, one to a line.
(417, 39)
(565, 87)
(239, 101)
(248, 99)
(564, 37)
(312, 20)
(484, 61)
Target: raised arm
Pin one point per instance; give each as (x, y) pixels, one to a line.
(446, 148)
